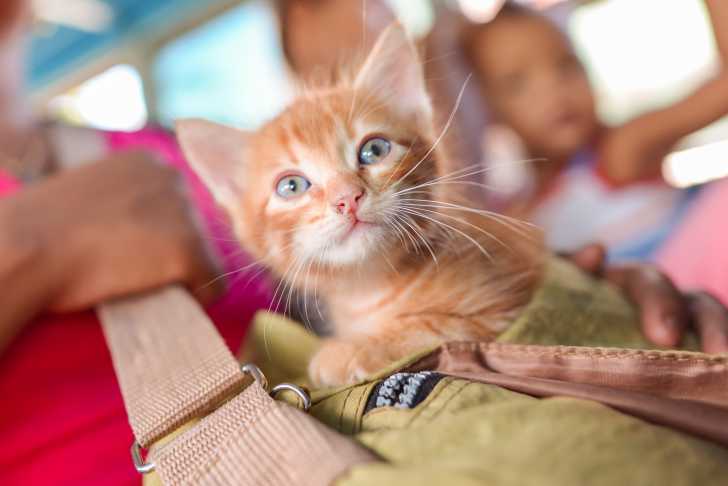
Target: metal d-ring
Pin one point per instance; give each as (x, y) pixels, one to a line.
(254, 371)
(304, 400)
(140, 465)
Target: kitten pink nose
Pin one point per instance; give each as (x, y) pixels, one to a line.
(349, 203)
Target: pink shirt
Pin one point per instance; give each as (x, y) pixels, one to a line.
(62, 419)
(696, 256)
(7, 184)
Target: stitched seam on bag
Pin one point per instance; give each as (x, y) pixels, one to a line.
(416, 417)
(363, 399)
(343, 411)
(598, 353)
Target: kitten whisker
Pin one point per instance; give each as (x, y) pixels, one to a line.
(252, 277)
(456, 175)
(445, 55)
(320, 258)
(468, 171)
(307, 320)
(228, 274)
(257, 262)
(413, 226)
(512, 223)
(398, 231)
(461, 221)
(292, 286)
(443, 132)
(384, 256)
(465, 183)
(271, 309)
(399, 224)
(277, 299)
(465, 235)
(399, 163)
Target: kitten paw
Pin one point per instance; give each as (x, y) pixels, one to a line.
(340, 363)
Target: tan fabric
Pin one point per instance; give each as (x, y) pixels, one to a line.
(173, 367)
(170, 361)
(254, 440)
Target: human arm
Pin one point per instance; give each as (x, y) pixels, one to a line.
(636, 149)
(119, 226)
(27, 276)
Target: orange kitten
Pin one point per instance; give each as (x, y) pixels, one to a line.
(342, 198)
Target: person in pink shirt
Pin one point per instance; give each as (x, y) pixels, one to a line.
(131, 220)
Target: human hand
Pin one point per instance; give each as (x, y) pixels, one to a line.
(666, 312)
(116, 227)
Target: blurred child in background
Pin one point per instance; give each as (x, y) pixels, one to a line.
(588, 181)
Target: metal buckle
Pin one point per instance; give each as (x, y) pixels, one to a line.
(254, 371)
(304, 401)
(140, 465)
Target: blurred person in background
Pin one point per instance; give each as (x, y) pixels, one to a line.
(131, 220)
(591, 182)
(126, 219)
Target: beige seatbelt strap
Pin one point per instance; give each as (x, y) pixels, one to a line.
(173, 366)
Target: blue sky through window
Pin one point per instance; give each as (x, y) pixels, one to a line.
(230, 70)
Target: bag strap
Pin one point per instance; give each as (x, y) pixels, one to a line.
(683, 390)
(173, 367)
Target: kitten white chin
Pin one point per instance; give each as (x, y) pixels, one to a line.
(360, 244)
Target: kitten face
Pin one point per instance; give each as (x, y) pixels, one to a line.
(332, 182)
(321, 184)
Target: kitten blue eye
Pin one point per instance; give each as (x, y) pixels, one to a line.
(374, 150)
(292, 186)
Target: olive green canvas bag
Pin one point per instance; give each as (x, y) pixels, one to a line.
(570, 394)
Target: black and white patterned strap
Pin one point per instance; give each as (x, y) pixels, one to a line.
(403, 390)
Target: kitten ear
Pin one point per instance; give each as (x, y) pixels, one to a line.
(215, 152)
(393, 69)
